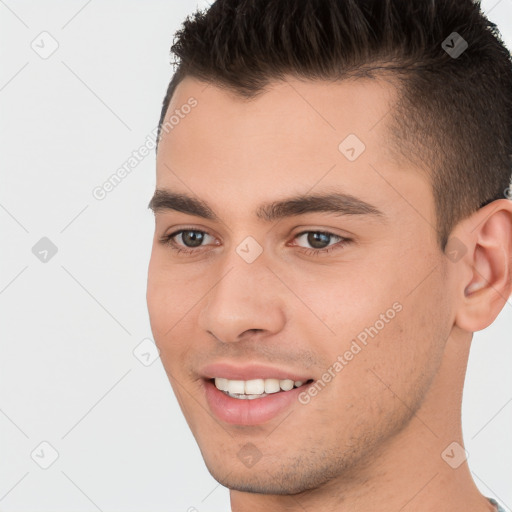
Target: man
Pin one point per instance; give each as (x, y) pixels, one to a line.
(332, 225)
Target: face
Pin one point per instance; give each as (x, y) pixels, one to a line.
(345, 296)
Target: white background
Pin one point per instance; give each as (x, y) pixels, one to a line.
(68, 375)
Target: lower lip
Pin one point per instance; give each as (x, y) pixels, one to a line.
(249, 412)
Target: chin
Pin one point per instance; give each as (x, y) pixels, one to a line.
(282, 480)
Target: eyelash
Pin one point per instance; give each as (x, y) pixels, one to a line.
(178, 249)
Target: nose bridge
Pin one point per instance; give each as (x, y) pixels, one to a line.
(245, 296)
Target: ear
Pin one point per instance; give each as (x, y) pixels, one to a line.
(484, 278)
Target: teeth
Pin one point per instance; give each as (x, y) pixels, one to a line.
(236, 386)
(221, 383)
(272, 386)
(255, 388)
(286, 384)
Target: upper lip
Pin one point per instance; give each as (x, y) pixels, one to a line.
(251, 371)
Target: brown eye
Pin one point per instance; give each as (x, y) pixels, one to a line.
(192, 238)
(319, 242)
(318, 239)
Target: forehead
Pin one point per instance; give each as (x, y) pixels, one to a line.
(296, 114)
(295, 136)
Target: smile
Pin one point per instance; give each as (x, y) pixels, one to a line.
(254, 388)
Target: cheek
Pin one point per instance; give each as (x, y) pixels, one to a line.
(347, 303)
(168, 302)
(156, 296)
(168, 287)
(382, 322)
(405, 354)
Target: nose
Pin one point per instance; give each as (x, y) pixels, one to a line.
(245, 297)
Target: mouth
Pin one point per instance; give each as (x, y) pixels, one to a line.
(252, 402)
(251, 394)
(256, 388)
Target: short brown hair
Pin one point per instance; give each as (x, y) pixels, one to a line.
(453, 116)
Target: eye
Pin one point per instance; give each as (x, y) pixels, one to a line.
(189, 241)
(191, 238)
(319, 240)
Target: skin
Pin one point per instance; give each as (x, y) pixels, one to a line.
(373, 437)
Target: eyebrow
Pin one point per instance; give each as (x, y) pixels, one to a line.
(337, 203)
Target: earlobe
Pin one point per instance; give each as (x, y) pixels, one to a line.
(486, 279)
